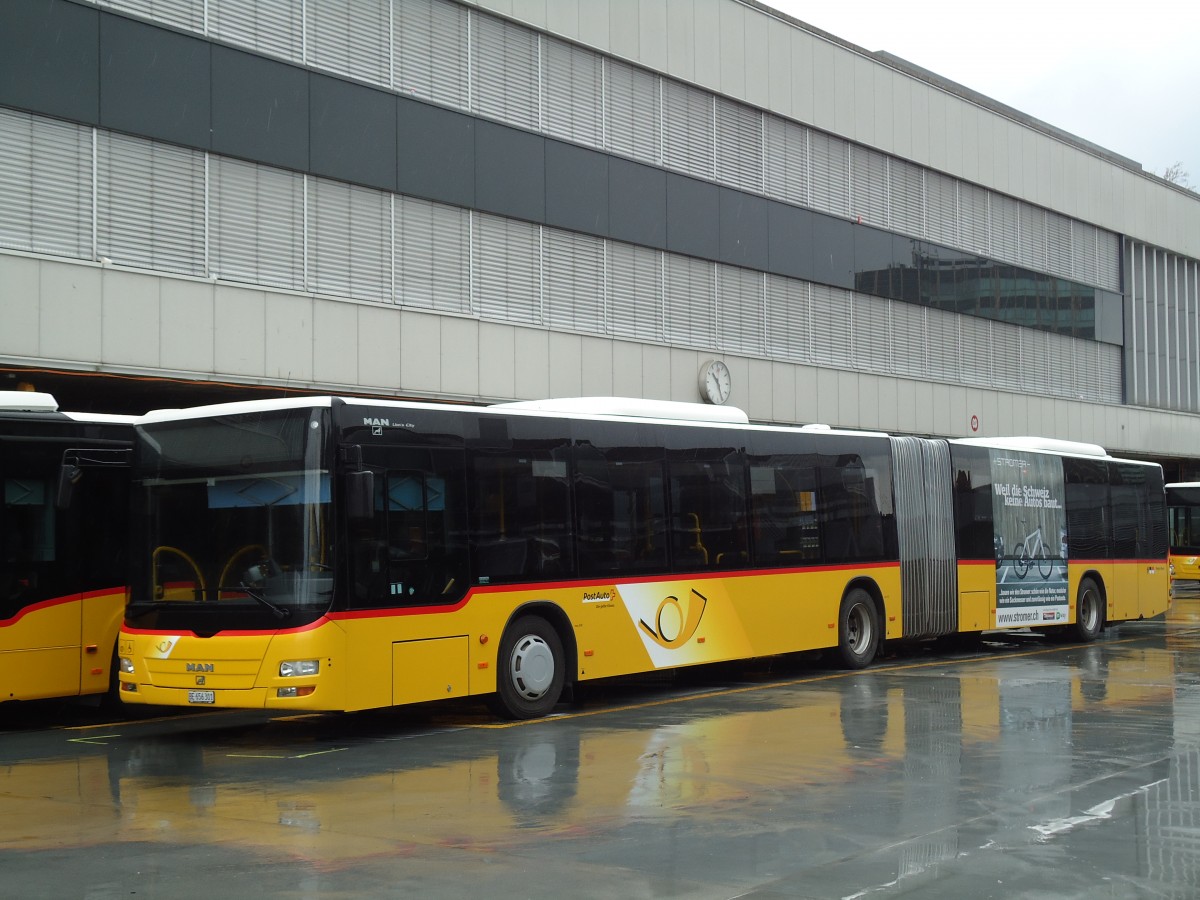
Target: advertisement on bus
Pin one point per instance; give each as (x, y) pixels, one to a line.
(1031, 539)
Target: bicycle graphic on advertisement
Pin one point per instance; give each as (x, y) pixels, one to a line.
(1033, 551)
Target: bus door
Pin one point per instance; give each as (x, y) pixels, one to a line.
(1139, 523)
(40, 612)
(413, 550)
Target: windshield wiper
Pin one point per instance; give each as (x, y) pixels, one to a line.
(281, 612)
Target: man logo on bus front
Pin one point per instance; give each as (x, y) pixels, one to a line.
(673, 625)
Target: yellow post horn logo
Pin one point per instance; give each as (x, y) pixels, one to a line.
(672, 635)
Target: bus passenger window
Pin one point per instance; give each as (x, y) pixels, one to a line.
(784, 512)
(621, 511)
(708, 503)
(520, 516)
(851, 523)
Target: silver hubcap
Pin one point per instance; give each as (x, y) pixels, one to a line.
(1089, 611)
(858, 629)
(532, 667)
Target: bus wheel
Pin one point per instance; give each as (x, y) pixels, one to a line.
(1089, 612)
(530, 673)
(858, 630)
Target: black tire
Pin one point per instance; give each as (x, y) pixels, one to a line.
(1089, 613)
(530, 670)
(858, 630)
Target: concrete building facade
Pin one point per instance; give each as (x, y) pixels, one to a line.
(521, 199)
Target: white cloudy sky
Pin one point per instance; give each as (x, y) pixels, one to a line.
(1124, 76)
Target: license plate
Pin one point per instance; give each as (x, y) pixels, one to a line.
(202, 697)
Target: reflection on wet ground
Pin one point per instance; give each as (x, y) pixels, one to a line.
(1019, 769)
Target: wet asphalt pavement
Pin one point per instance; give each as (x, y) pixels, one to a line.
(1022, 768)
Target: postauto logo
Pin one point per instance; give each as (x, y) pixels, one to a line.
(675, 621)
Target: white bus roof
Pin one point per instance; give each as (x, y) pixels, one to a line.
(629, 408)
(27, 401)
(1046, 445)
(632, 407)
(37, 402)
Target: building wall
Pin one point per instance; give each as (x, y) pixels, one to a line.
(747, 52)
(89, 316)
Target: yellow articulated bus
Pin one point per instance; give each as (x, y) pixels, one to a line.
(1183, 512)
(346, 554)
(63, 538)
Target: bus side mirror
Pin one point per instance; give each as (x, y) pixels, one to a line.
(360, 496)
(68, 476)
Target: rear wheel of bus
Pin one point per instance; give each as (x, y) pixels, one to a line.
(1089, 612)
(530, 670)
(858, 629)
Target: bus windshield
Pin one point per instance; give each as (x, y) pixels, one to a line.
(1183, 510)
(235, 512)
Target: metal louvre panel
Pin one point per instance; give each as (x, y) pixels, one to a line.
(187, 14)
(1191, 327)
(1058, 244)
(430, 42)
(572, 92)
(740, 308)
(633, 112)
(1087, 371)
(266, 26)
(433, 255)
(45, 185)
(690, 301)
(1108, 260)
(1084, 238)
(1110, 376)
(910, 352)
(975, 351)
(1031, 237)
(832, 326)
(504, 72)
(925, 528)
(508, 270)
(16, 180)
(1005, 225)
(349, 252)
(872, 332)
(574, 267)
(739, 143)
(829, 157)
(1006, 356)
(635, 292)
(787, 164)
(150, 204)
(942, 330)
(351, 37)
(788, 319)
(906, 197)
(256, 224)
(1035, 379)
(869, 186)
(1061, 375)
(941, 209)
(689, 138)
(974, 219)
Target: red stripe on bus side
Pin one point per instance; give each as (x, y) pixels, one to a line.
(480, 590)
(59, 601)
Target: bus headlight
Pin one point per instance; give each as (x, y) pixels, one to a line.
(125, 664)
(295, 667)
